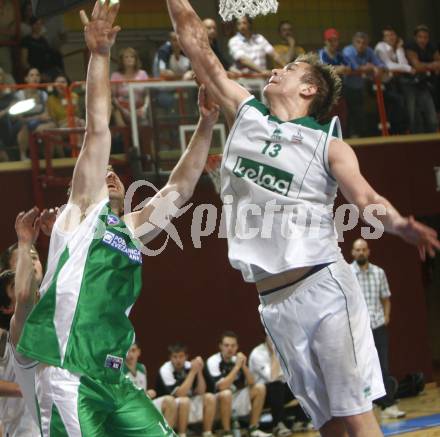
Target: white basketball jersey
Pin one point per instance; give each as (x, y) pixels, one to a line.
(278, 193)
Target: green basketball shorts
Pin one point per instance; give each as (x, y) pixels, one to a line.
(72, 405)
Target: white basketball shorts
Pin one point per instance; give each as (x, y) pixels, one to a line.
(321, 331)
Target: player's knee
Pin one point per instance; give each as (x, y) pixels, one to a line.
(183, 402)
(209, 399)
(225, 396)
(259, 390)
(169, 403)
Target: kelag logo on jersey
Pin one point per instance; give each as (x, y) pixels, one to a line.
(265, 176)
(118, 243)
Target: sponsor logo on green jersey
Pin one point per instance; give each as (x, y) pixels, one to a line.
(264, 175)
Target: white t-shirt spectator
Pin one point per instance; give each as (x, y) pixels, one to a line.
(256, 48)
(395, 60)
(260, 365)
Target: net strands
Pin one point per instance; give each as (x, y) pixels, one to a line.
(212, 167)
(230, 9)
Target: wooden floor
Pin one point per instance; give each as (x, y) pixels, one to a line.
(426, 404)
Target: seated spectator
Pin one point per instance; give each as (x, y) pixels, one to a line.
(362, 61)
(391, 52)
(36, 52)
(170, 62)
(330, 53)
(249, 50)
(36, 120)
(423, 56)
(137, 373)
(288, 50)
(211, 29)
(57, 103)
(9, 126)
(185, 380)
(129, 69)
(237, 391)
(266, 368)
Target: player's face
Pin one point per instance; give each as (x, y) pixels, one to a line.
(229, 347)
(129, 59)
(332, 43)
(243, 25)
(360, 44)
(33, 76)
(211, 28)
(286, 31)
(287, 81)
(38, 268)
(390, 37)
(133, 354)
(422, 39)
(360, 252)
(178, 360)
(115, 187)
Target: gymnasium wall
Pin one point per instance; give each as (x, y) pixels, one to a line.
(193, 295)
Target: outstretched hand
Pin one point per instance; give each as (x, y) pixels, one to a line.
(209, 111)
(100, 34)
(47, 220)
(27, 226)
(420, 235)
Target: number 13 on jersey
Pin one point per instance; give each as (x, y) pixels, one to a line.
(273, 150)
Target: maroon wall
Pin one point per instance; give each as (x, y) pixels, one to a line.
(193, 295)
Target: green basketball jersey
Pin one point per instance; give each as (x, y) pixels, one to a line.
(92, 281)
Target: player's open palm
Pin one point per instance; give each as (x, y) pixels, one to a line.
(27, 226)
(209, 111)
(100, 34)
(420, 235)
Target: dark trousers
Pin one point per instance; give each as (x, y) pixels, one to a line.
(380, 335)
(277, 395)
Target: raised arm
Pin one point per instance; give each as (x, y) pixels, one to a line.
(345, 168)
(27, 226)
(88, 184)
(183, 178)
(208, 69)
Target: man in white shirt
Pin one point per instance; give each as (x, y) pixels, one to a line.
(391, 52)
(249, 50)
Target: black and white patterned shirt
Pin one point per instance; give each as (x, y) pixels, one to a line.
(374, 285)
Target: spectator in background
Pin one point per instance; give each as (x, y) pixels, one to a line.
(137, 374)
(391, 52)
(38, 118)
(288, 50)
(185, 380)
(266, 368)
(425, 58)
(237, 392)
(36, 52)
(129, 69)
(211, 29)
(9, 126)
(330, 53)
(250, 50)
(170, 62)
(374, 285)
(362, 61)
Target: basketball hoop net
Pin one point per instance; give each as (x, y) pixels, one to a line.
(230, 9)
(212, 167)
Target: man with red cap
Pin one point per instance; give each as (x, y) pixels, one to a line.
(330, 54)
